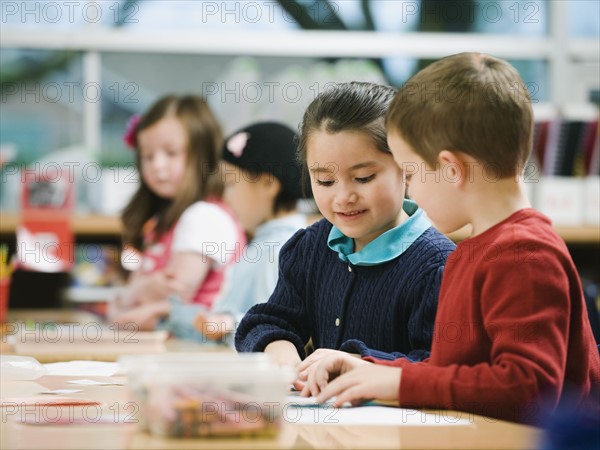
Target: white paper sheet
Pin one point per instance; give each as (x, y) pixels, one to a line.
(311, 414)
(95, 383)
(82, 369)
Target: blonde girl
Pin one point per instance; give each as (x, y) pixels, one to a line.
(176, 219)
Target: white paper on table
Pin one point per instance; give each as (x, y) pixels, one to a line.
(95, 383)
(82, 368)
(312, 414)
(296, 400)
(61, 392)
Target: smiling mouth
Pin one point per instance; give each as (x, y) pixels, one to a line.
(351, 213)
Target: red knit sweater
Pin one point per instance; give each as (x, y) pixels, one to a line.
(512, 335)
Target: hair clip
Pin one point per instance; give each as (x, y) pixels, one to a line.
(237, 143)
(129, 138)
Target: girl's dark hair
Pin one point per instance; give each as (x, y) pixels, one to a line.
(355, 106)
(201, 179)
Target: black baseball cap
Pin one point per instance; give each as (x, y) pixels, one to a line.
(267, 147)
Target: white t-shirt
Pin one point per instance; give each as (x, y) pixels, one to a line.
(207, 229)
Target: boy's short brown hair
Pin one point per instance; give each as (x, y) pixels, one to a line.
(468, 102)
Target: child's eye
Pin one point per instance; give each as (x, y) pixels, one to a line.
(365, 179)
(325, 183)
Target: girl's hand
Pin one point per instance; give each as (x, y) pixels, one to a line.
(283, 353)
(145, 316)
(158, 286)
(352, 380)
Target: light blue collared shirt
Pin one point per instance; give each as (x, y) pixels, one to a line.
(385, 247)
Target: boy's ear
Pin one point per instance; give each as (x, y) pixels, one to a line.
(453, 167)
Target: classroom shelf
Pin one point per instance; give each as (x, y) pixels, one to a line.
(85, 225)
(585, 234)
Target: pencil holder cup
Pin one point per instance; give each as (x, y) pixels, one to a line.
(208, 395)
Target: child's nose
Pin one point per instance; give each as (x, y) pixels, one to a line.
(346, 196)
(159, 162)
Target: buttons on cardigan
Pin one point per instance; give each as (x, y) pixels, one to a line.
(349, 268)
(337, 322)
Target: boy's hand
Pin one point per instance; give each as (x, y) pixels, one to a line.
(356, 381)
(214, 326)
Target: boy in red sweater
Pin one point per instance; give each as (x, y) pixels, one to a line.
(512, 337)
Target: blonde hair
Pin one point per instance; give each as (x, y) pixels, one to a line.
(202, 178)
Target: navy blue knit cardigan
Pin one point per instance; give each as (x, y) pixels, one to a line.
(386, 311)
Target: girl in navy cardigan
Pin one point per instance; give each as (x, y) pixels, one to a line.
(364, 279)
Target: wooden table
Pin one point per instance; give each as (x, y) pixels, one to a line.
(122, 431)
(101, 343)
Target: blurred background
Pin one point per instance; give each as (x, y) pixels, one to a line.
(73, 72)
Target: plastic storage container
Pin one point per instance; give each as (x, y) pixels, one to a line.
(208, 395)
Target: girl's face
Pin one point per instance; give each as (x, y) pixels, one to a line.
(251, 197)
(357, 187)
(163, 154)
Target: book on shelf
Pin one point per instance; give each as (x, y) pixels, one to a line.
(565, 141)
(566, 154)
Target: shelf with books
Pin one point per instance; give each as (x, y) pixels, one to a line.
(563, 174)
(566, 140)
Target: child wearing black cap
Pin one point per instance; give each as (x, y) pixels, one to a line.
(262, 187)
